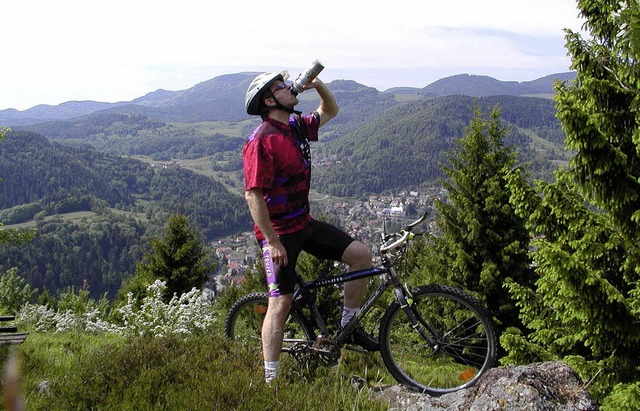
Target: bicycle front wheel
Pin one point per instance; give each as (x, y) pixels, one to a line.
(463, 342)
(245, 318)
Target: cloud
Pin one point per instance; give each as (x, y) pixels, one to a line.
(119, 50)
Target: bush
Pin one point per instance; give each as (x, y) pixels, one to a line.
(14, 292)
(190, 313)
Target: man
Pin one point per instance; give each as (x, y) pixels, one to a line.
(277, 172)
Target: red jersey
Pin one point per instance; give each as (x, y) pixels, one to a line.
(276, 160)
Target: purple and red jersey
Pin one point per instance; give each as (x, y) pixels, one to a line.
(275, 161)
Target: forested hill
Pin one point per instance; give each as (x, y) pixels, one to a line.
(406, 146)
(93, 211)
(46, 176)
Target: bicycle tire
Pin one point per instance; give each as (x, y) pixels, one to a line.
(245, 317)
(464, 333)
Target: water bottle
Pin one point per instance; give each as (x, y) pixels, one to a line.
(306, 76)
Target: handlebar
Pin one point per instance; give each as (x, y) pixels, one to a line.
(405, 233)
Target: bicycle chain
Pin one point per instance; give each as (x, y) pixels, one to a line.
(323, 352)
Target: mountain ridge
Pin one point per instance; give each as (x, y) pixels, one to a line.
(222, 98)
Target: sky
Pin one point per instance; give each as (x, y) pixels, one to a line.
(118, 50)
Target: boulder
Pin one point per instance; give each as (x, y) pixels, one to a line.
(533, 387)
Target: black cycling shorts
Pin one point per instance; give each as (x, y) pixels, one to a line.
(318, 238)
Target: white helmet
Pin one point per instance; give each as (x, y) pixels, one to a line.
(258, 86)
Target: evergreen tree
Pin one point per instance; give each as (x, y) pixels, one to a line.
(482, 242)
(600, 112)
(179, 258)
(585, 306)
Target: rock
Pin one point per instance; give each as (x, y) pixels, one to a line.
(535, 387)
(43, 388)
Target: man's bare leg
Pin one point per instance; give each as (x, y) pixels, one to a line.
(273, 333)
(358, 257)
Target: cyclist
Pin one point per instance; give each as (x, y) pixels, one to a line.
(277, 172)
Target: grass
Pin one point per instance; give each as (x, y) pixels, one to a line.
(107, 372)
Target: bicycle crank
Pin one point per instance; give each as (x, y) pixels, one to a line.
(322, 352)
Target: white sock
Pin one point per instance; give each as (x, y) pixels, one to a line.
(347, 315)
(271, 370)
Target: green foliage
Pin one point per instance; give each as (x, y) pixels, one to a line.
(190, 313)
(103, 245)
(328, 299)
(47, 299)
(14, 292)
(584, 308)
(134, 287)
(49, 177)
(15, 237)
(624, 397)
(482, 243)
(84, 372)
(101, 251)
(11, 236)
(630, 27)
(78, 301)
(599, 111)
(179, 258)
(131, 134)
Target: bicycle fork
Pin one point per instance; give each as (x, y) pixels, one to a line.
(405, 299)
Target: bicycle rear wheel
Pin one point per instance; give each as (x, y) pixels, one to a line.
(465, 342)
(245, 318)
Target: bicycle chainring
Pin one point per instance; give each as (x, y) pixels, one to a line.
(323, 352)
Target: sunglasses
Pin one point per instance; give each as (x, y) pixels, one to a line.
(280, 86)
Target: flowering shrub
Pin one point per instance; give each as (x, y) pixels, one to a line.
(44, 319)
(190, 313)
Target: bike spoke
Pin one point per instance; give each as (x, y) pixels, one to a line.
(464, 342)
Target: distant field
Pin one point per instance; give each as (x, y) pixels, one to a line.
(404, 97)
(231, 129)
(545, 146)
(78, 215)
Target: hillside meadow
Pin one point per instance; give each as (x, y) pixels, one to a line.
(80, 371)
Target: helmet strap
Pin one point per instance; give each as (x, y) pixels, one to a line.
(279, 105)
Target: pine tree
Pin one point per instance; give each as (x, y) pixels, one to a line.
(585, 306)
(599, 114)
(179, 258)
(482, 242)
(582, 309)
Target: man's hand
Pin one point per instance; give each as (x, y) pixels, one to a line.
(328, 107)
(277, 252)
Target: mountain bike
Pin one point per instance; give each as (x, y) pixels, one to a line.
(433, 338)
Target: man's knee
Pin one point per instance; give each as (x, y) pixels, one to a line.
(357, 255)
(279, 306)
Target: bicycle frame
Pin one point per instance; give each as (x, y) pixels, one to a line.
(389, 279)
(304, 293)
